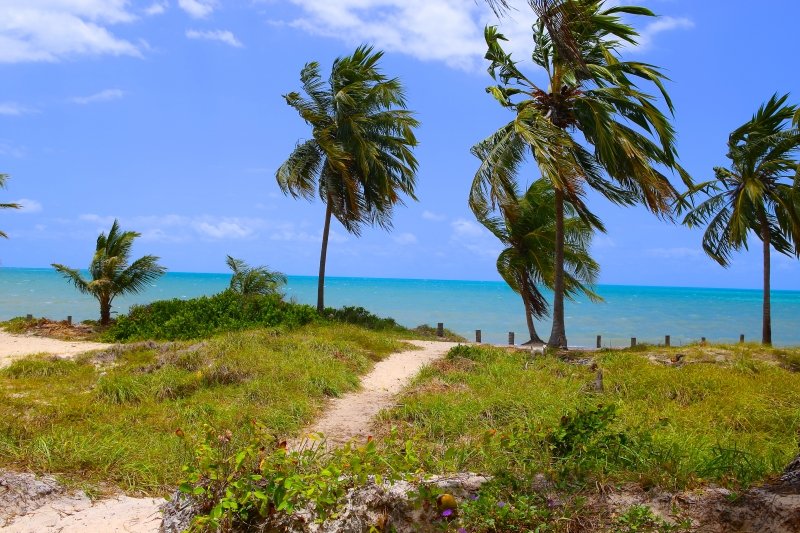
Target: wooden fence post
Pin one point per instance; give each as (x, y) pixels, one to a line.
(29, 317)
(599, 342)
(633, 342)
(69, 320)
(666, 340)
(741, 338)
(511, 338)
(478, 336)
(440, 329)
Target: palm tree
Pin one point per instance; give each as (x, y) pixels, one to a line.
(526, 225)
(248, 281)
(757, 194)
(3, 179)
(359, 158)
(590, 126)
(110, 271)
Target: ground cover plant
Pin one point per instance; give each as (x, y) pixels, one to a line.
(122, 416)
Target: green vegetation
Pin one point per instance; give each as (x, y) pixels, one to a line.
(112, 273)
(249, 281)
(726, 415)
(757, 194)
(591, 99)
(112, 417)
(360, 157)
(3, 180)
(526, 227)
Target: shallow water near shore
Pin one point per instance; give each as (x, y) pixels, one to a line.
(647, 313)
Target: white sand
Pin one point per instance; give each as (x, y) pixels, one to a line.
(351, 415)
(16, 346)
(77, 514)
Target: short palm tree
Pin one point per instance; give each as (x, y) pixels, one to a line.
(3, 179)
(359, 158)
(111, 273)
(526, 226)
(758, 194)
(248, 281)
(590, 126)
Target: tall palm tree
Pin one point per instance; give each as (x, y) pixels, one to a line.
(359, 158)
(111, 273)
(248, 281)
(3, 179)
(758, 193)
(589, 126)
(526, 226)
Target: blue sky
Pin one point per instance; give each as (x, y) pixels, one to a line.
(168, 115)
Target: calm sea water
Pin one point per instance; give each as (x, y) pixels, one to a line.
(647, 313)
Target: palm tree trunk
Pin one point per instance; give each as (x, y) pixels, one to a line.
(534, 337)
(105, 311)
(322, 258)
(766, 317)
(558, 335)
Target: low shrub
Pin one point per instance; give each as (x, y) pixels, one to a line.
(39, 367)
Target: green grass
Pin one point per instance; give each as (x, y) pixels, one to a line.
(115, 422)
(729, 415)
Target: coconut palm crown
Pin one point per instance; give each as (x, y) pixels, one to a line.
(758, 194)
(247, 280)
(526, 226)
(111, 272)
(359, 158)
(589, 126)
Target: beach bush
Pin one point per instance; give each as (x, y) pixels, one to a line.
(41, 366)
(207, 316)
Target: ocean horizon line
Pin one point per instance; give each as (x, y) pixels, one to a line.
(453, 280)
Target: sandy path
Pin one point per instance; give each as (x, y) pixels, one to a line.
(351, 415)
(16, 346)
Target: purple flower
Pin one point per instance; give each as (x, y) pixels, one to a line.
(473, 497)
(501, 504)
(462, 530)
(447, 513)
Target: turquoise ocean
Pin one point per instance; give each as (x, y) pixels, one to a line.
(647, 313)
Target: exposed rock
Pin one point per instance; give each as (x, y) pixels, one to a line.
(23, 493)
(178, 513)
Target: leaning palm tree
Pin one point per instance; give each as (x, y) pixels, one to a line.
(3, 179)
(526, 226)
(111, 273)
(590, 126)
(248, 281)
(359, 158)
(758, 194)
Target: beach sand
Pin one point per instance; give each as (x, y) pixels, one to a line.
(15, 346)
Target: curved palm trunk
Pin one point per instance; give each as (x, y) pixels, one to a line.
(534, 337)
(322, 258)
(558, 335)
(766, 317)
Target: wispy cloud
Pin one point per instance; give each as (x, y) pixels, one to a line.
(675, 253)
(405, 239)
(661, 25)
(29, 206)
(198, 8)
(14, 109)
(156, 8)
(103, 96)
(54, 30)
(11, 150)
(434, 217)
(474, 238)
(223, 36)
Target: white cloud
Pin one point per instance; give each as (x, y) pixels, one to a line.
(435, 217)
(226, 229)
(29, 206)
(103, 96)
(14, 109)
(198, 8)
(156, 8)
(450, 31)
(662, 24)
(405, 239)
(223, 36)
(11, 150)
(51, 30)
(97, 219)
(474, 237)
